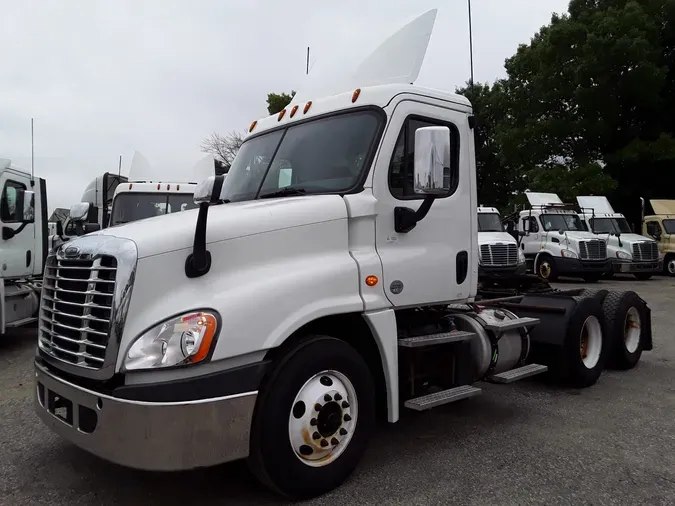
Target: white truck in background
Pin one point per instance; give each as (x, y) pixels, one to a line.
(23, 245)
(630, 253)
(498, 251)
(556, 242)
(331, 278)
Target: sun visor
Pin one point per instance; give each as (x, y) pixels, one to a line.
(600, 205)
(542, 199)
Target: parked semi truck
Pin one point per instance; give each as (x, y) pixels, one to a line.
(23, 245)
(629, 252)
(331, 278)
(498, 250)
(661, 226)
(556, 243)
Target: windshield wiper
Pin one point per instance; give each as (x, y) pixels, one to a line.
(284, 192)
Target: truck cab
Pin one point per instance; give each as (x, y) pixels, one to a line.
(630, 253)
(661, 226)
(23, 244)
(499, 252)
(556, 243)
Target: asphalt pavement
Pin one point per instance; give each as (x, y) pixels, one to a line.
(520, 444)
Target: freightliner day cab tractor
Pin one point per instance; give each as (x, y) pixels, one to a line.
(498, 251)
(329, 279)
(661, 226)
(629, 252)
(23, 245)
(556, 243)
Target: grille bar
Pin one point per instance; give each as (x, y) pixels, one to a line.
(645, 251)
(499, 255)
(593, 250)
(76, 313)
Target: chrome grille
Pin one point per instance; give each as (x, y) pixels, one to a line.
(499, 255)
(593, 250)
(646, 251)
(76, 309)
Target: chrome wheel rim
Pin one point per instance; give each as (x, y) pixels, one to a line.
(590, 342)
(632, 329)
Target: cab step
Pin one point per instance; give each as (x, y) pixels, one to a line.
(432, 339)
(517, 374)
(507, 324)
(444, 397)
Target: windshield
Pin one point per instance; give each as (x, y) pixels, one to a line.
(489, 222)
(132, 206)
(669, 226)
(322, 156)
(610, 226)
(568, 222)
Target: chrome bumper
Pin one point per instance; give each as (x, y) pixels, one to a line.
(146, 435)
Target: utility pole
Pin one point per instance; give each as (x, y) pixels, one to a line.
(32, 154)
(119, 167)
(307, 71)
(470, 43)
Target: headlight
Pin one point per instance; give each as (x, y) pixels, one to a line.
(185, 339)
(568, 253)
(521, 256)
(623, 255)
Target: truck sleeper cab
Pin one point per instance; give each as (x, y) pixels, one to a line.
(630, 253)
(499, 252)
(556, 243)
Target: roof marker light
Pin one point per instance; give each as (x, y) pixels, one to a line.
(307, 106)
(253, 124)
(130, 186)
(294, 110)
(158, 186)
(177, 187)
(356, 94)
(281, 114)
(168, 187)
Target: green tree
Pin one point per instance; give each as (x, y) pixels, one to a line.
(277, 101)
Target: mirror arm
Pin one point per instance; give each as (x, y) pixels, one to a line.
(198, 262)
(8, 233)
(405, 219)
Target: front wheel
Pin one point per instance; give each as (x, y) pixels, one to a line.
(669, 265)
(313, 419)
(546, 268)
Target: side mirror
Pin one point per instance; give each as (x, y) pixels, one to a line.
(59, 228)
(432, 161)
(522, 233)
(28, 211)
(208, 192)
(79, 212)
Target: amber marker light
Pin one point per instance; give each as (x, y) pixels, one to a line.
(294, 110)
(371, 280)
(356, 94)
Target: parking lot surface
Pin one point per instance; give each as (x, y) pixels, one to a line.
(527, 443)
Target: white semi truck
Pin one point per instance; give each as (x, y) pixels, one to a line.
(498, 251)
(630, 253)
(556, 243)
(23, 245)
(329, 279)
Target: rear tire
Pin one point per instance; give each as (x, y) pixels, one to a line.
(286, 454)
(583, 357)
(625, 320)
(643, 276)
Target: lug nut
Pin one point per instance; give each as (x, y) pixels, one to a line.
(334, 441)
(324, 443)
(327, 398)
(313, 421)
(338, 397)
(343, 431)
(348, 418)
(316, 435)
(345, 404)
(317, 407)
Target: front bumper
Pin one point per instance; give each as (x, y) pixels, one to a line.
(576, 266)
(629, 266)
(510, 270)
(157, 436)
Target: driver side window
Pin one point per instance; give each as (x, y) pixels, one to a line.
(653, 228)
(9, 212)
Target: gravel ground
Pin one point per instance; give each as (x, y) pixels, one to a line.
(521, 444)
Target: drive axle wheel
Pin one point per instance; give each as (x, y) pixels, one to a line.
(583, 357)
(625, 319)
(314, 416)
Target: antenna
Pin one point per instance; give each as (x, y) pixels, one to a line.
(307, 71)
(32, 154)
(470, 43)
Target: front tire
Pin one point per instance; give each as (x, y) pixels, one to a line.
(669, 265)
(546, 268)
(625, 320)
(313, 419)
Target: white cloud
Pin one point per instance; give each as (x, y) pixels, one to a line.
(106, 78)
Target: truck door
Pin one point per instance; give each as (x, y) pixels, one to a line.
(18, 252)
(435, 261)
(531, 243)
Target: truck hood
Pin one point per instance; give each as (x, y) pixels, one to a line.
(172, 232)
(495, 238)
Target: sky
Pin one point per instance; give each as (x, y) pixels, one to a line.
(103, 79)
